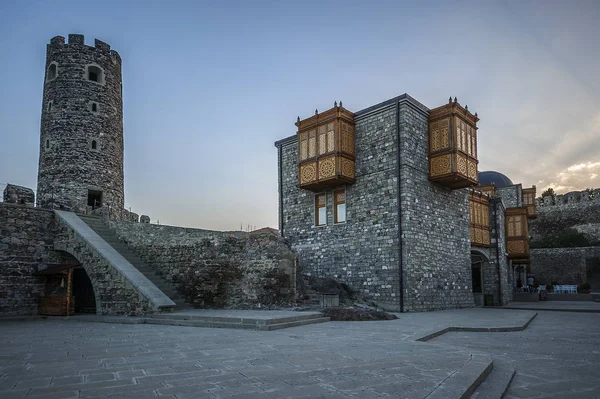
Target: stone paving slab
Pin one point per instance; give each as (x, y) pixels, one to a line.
(330, 360)
(558, 356)
(558, 306)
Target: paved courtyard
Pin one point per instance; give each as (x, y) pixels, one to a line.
(557, 356)
(56, 358)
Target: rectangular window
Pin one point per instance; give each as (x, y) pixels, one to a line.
(339, 198)
(515, 226)
(320, 210)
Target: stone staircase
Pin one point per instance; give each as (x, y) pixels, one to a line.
(96, 224)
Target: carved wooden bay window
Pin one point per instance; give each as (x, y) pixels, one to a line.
(326, 149)
(479, 217)
(517, 234)
(529, 202)
(453, 146)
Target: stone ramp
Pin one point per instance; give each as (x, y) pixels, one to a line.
(96, 224)
(219, 318)
(119, 285)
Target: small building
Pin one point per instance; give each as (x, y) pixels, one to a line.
(376, 199)
(388, 200)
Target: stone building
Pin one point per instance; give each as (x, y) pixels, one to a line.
(380, 200)
(386, 228)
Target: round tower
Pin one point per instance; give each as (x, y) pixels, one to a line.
(81, 140)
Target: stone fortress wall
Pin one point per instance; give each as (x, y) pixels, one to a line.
(26, 246)
(580, 211)
(81, 140)
(209, 268)
(215, 268)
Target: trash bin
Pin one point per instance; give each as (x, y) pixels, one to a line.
(543, 295)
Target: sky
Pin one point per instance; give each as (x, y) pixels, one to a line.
(208, 87)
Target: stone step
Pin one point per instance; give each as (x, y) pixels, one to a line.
(279, 326)
(232, 324)
(497, 382)
(465, 380)
(238, 320)
(197, 323)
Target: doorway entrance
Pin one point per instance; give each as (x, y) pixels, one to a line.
(85, 301)
(94, 199)
(477, 261)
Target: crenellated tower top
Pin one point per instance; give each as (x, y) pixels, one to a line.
(79, 40)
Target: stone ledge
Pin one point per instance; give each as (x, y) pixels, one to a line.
(437, 333)
(465, 380)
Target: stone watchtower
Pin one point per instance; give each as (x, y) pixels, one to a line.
(81, 146)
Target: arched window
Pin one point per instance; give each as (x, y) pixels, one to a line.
(94, 145)
(95, 74)
(49, 106)
(47, 143)
(94, 107)
(52, 72)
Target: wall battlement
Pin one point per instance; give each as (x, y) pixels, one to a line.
(570, 200)
(79, 40)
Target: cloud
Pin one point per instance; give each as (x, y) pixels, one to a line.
(576, 177)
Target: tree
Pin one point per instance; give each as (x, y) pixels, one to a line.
(549, 193)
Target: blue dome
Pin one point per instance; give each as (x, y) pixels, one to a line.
(495, 178)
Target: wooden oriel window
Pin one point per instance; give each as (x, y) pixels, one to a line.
(339, 210)
(320, 210)
(515, 226)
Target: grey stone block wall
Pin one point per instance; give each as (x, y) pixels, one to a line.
(14, 194)
(512, 196)
(497, 273)
(582, 215)
(26, 246)
(114, 294)
(365, 251)
(69, 166)
(434, 226)
(214, 268)
(567, 265)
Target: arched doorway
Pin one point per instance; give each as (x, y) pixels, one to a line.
(478, 260)
(83, 291)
